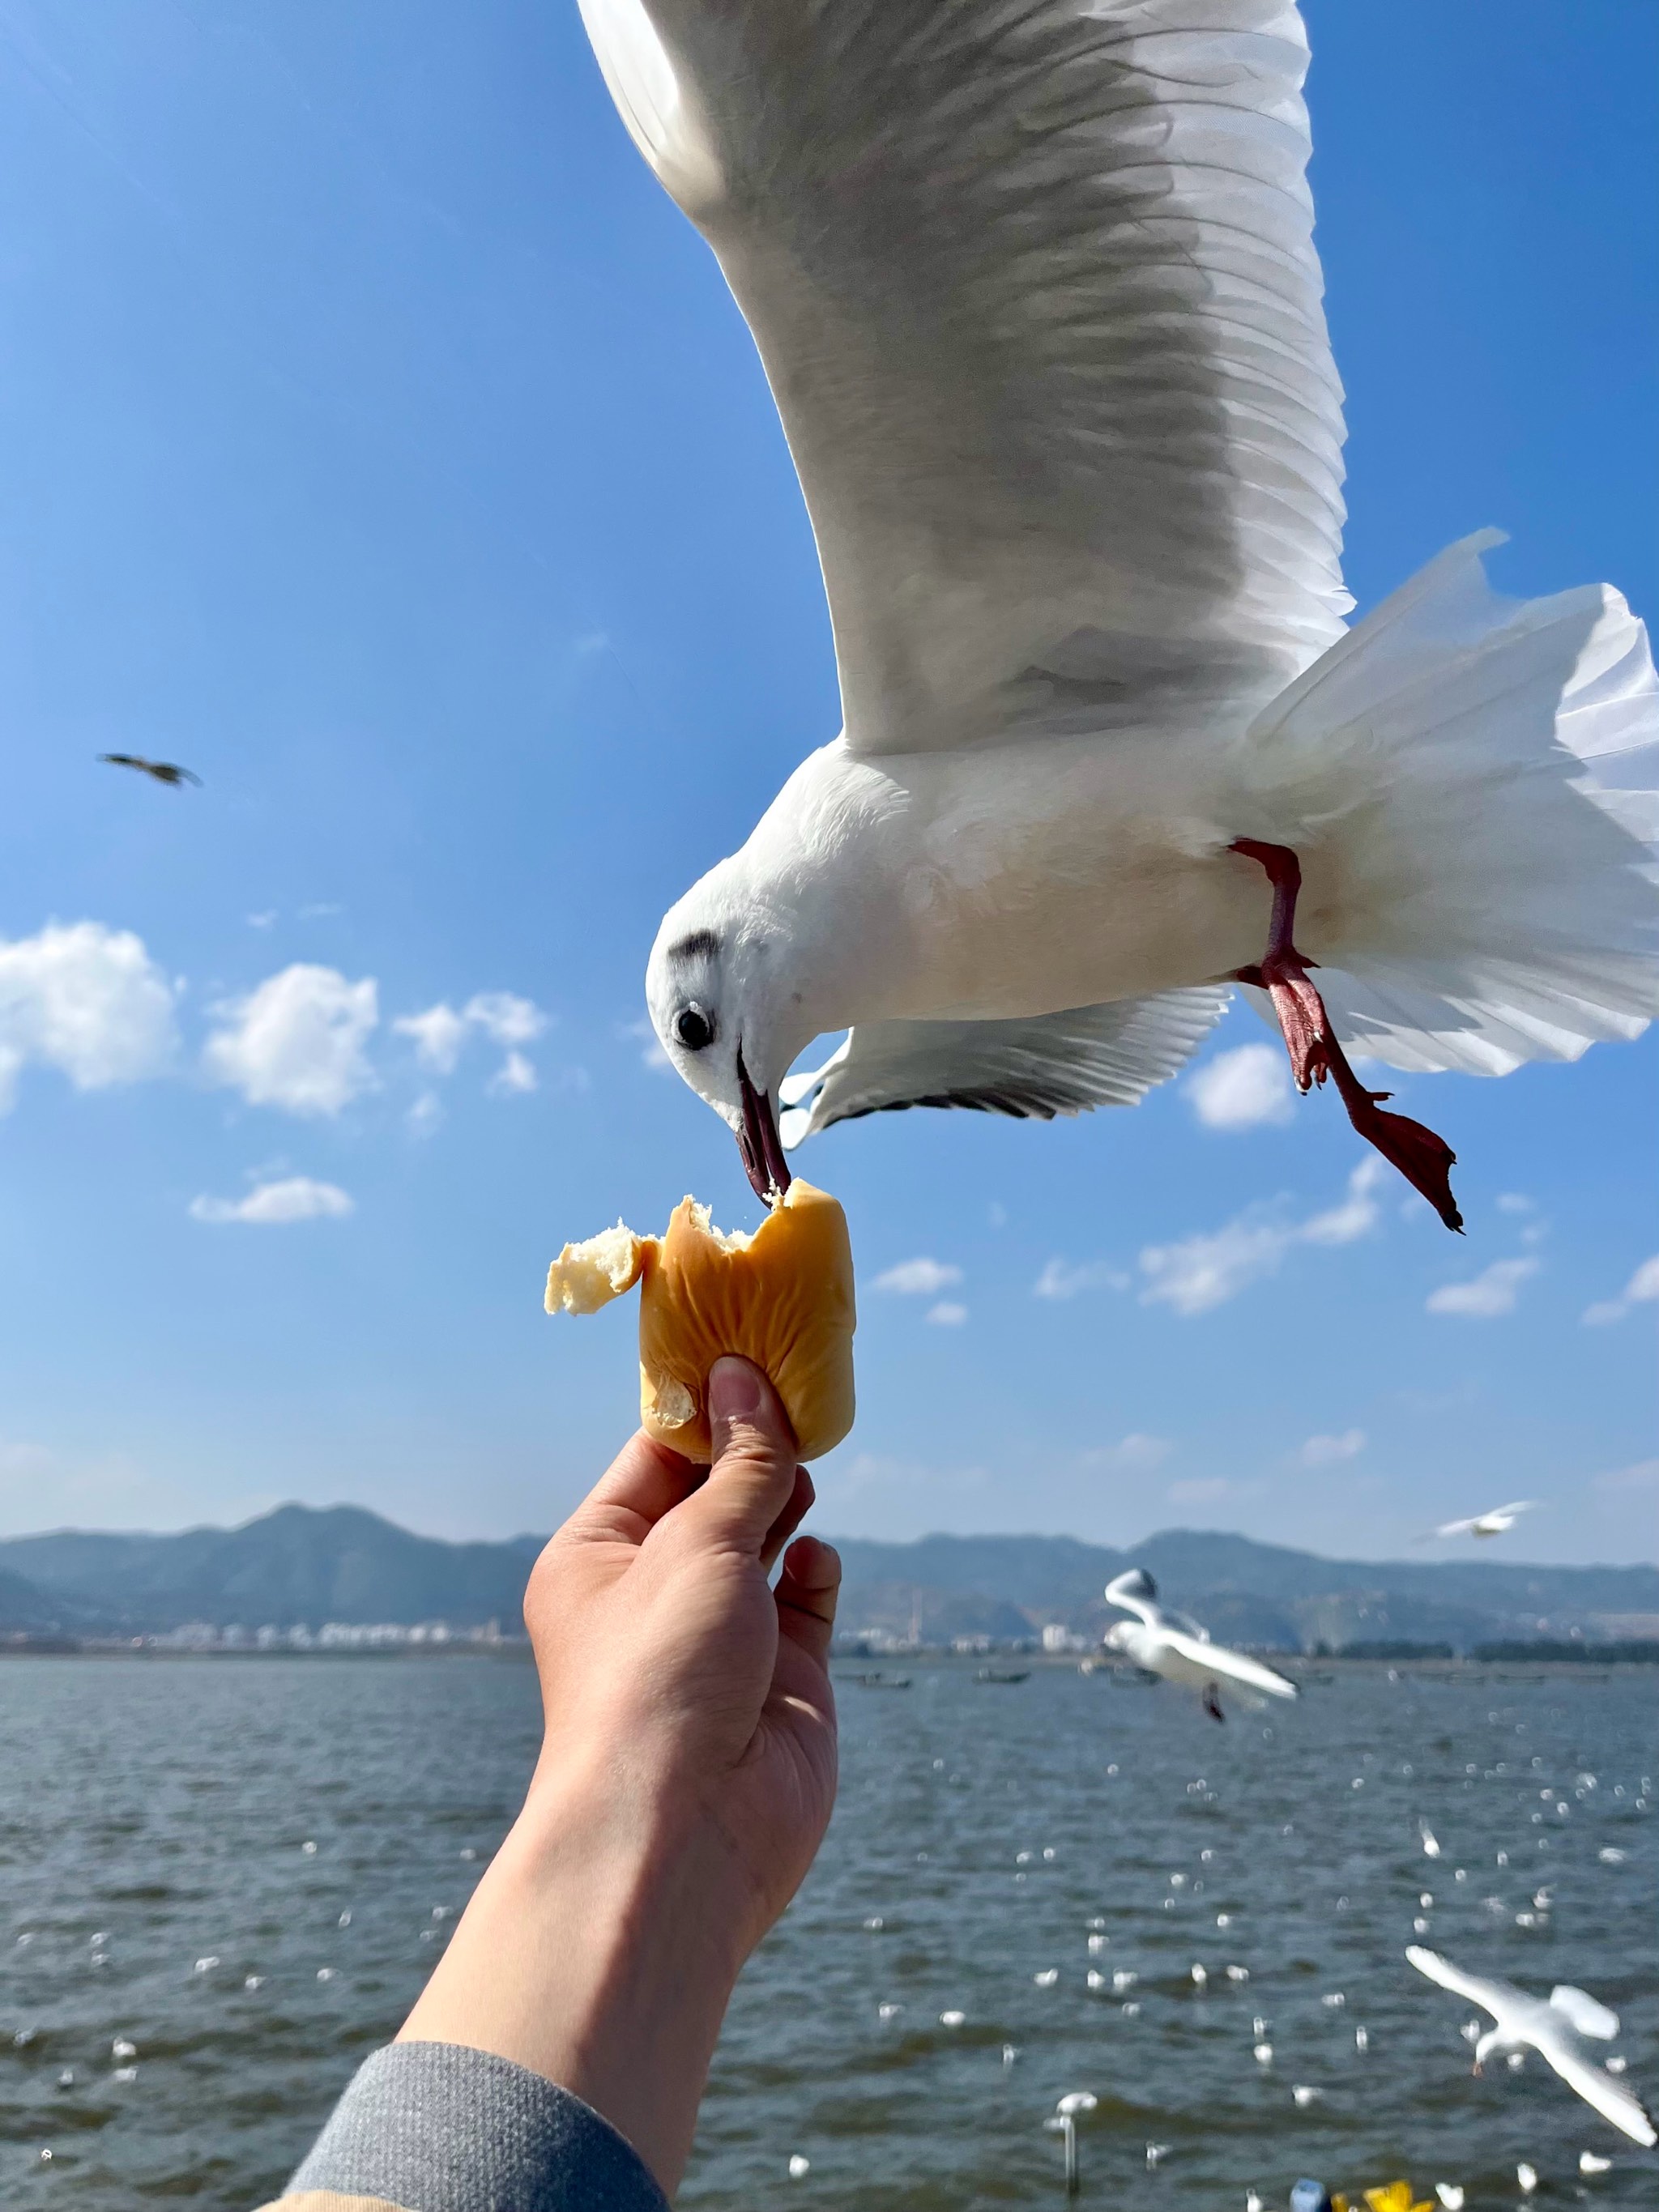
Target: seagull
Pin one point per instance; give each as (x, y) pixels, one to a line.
(1176, 1647)
(1497, 1522)
(1553, 2029)
(1037, 294)
(163, 771)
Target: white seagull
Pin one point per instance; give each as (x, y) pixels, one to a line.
(1553, 2030)
(1175, 1647)
(1035, 289)
(1497, 1522)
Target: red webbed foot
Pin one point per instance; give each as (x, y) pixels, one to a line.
(1424, 1160)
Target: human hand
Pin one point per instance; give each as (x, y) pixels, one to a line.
(685, 1780)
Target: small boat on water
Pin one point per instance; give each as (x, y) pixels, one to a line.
(879, 1682)
(1003, 1674)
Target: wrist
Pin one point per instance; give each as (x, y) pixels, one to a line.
(600, 1950)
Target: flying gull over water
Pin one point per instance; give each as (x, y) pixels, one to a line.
(1175, 1647)
(1035, 290)
(1554, 2030)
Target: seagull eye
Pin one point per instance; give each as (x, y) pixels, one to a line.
(693, 1028)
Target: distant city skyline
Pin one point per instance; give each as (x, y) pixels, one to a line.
(379, 444)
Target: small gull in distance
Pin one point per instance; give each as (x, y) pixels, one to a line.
(169, 772)
(1497, 1521)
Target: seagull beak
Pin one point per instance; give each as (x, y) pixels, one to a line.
(759, 1142)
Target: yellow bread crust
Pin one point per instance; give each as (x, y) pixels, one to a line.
(781, 1298)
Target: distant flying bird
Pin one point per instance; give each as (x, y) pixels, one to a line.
(1175, 1647)
(1036, 293)
(163, 771)
(1553, 2030)
(1497, 1522)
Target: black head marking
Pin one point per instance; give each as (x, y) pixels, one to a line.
(700, 944)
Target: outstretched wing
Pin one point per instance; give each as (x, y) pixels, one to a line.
(1054, 1064)
(1586, 2012)
(1495, 1997)
(1035, 290)
(1605, 2091)
(1134, 1591)
(1233, 1667)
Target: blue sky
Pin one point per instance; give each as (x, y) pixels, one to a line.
(376, 439)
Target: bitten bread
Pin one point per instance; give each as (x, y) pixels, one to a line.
(781, 1298)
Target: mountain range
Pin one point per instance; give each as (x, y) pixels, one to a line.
(301, 1567)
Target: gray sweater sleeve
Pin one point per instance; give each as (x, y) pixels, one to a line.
(435, 2127)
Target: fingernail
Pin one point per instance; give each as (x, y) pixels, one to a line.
(734, 1390)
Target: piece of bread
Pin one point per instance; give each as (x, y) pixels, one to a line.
(781, 1298)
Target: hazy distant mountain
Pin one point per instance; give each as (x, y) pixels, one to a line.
(302, 1566)
(295, 1565)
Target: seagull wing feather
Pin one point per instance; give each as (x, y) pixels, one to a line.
(1609, 2096)
(1500, 1999)
(1128, 1591)
(1065, 1063)
(1587, 2013)
(1035, 289)
(1232, 1666)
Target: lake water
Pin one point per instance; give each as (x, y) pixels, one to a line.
(157, 1826)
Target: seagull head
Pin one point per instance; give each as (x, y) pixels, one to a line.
(726, 1011)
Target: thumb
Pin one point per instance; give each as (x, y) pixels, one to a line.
(753, 1475)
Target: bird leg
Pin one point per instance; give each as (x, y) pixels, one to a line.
(1212, 1703)
(1424, 1160)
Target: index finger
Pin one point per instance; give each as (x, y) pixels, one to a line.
(645, 1481)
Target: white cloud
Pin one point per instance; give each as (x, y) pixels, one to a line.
(652, 1055)
(947, 1314)
(1326, 1451)
(1201, 1490)
(1514, 1201)
(513, 1076)
(297, 1040)
(263, 921)
(1135, 1454)
(426, 1115)
(1642, 1288)
(1644, 1475)
(439, 1035)
(1244, 1089)
(296, 1198)
(87, 1000)
(918, 1279)
(1063, 1279)
(1491, 1293)
(1201, 1272)
(504, 1017)
(1356, 1215)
